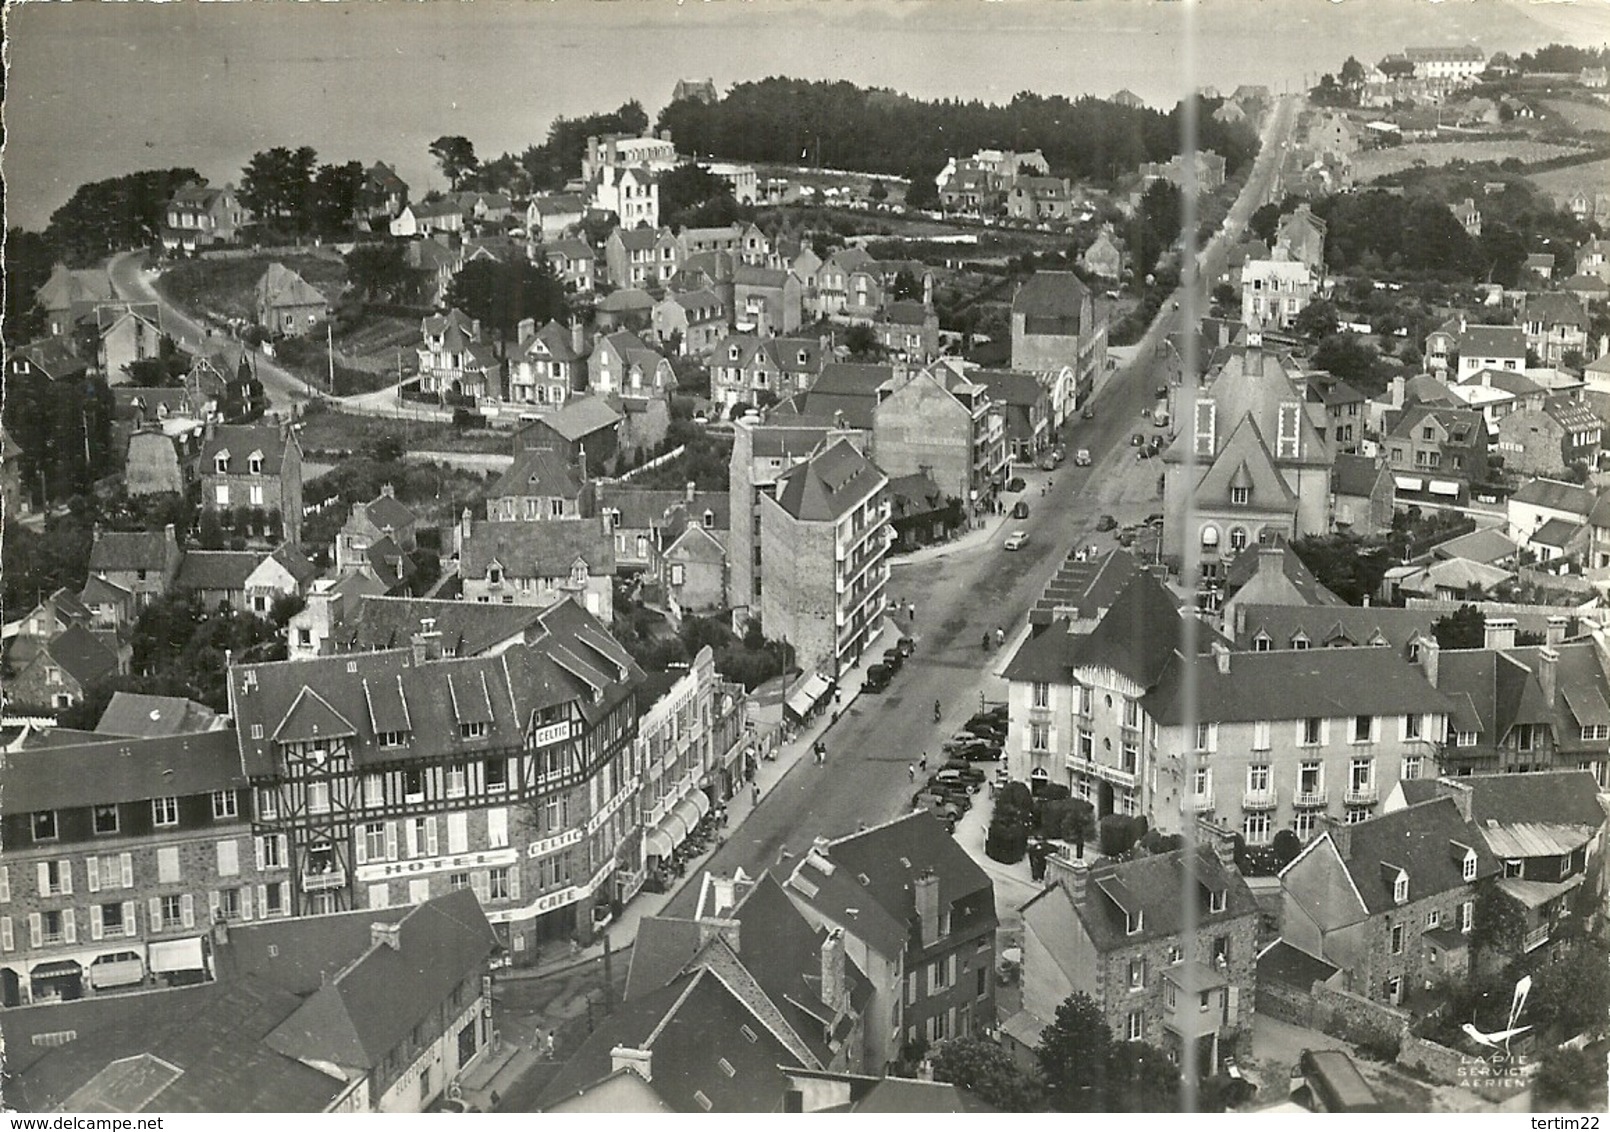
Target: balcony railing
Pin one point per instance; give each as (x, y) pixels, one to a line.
(1258, 800)
(327, 879)
(1197, 802)
(1310, 799)
(1536, 938)
(1361, 796)
(1110, 774)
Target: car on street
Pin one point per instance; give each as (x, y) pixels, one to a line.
(877, 678)
(1155, 519)
(1082, 459)
(1016, 483)
(957, 780)
(907, 646)
(1137, 439)
(1106, 523)
(1160, 393)
(1049, 461)
(1017, 540)
(968, 773)
(1020, 509)
(893, 659)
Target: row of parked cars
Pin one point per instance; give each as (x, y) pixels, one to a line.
(949, 791)
(879, 676)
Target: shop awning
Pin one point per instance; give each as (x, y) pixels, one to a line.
(1443, 487)
(687, 811)
(1408, 483)
(657, 844)
(808, 694)
(57, 969)
(177, 955)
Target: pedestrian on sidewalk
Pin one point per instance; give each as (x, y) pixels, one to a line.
(911, 769)
(922, 763)
(756, 792)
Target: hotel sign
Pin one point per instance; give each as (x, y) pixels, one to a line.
(551, 734)
(394, 870)
(552, 844)
(614, 804)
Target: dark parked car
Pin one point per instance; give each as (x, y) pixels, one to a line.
(955, 779)
(1137, 439)
(877, 678)
(1016, 483)
(1020, 510)
(974, 752)
(969, 773)
(893, 659)
(1106, 523)
(1155, 519)
(907, 646)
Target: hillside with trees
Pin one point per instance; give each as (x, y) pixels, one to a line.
(839, 125)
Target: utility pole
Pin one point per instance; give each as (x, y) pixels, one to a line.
(329, 351)
(609, 980)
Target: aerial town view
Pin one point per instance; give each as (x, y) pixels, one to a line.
(885, 558)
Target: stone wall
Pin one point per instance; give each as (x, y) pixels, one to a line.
(1286, 1002)
(1354, 1018)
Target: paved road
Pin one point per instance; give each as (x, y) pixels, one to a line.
(964, 595)
(133, 284)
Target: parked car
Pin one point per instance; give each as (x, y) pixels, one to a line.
(1083, 458)
(977, 751)
(877, 678)
(893, 659)
(1016, 483)
(1160, 393)
(1106, 523)
(1126, 539)
(1020, 510)
(907, 646)
(1155, 519)
(1137, 439)
(1017, 540)
(967, 771)
(957, 779)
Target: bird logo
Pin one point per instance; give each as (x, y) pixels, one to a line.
(1517, 1003)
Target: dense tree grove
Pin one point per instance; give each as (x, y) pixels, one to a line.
(29, 258)
(109, 216)
(693, 197)
(501, 294)
(63, 431)
(546, 167)
(289, 192)
(839, 125)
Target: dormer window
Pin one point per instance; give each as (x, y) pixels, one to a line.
(255, 464)
(1218, 900)
(1240, 496)
(1468, 866)
(709, 520)
(220, 463)
(1400, 888)
(494, 575)
(472, 730)
(1134, 922)
(578, 574)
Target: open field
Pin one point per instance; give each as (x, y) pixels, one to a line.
(224, 288)
(337, 433)
(1380, 162)
(1562, 183)
(1581, 115)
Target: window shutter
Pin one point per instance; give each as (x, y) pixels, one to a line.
(97, 926)
(187, 910)
(8, 941)
(360, 847)
(92, 875)
(285, 898)
(69, 926)
(497, 827)
(156, 913)
(5, 884)
(257, 852)
(65, 867)
(36, 930)
(911, 988)
(411, 838)
(430, 837)
(514, 881)
(262, 900)
(212, 906)
(951, 980)
(391, 841)
(44, 878)
(229, 858)
(129, 926)
(458, 833)
(481, 882)
(245, 901)
(126, 863)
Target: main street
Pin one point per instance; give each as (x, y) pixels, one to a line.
(966, 594)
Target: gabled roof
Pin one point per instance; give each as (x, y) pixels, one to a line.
(1356, 475)
(282, 287)
(217, 569)
(1152, 888)
(1556, 532)
(1465, 427)
(1254, 383)
(1051, 294)
(140, 716)
(556, 342)
(1332, 626)
(1555, 308)
(1136, 638)
(1536, 800)
(829, 484)
(538, 550)
(1488, 546)
(1492, 342)
(105, 769)
(1426, 841)
(1556, 495)
(1296, 579)
(580, 417)
(121, 551)
(241, 442)
(81, 655)
(1010, 387)
(53, 357)
(465, 628)
(538, 472)
(373, 1004)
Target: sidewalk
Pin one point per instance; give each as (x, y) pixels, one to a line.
(623, 931)
(991, 527)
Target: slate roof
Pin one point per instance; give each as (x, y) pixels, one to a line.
(539, 472)
(1355, 475)
(538, 550)
(1051, 294)
(217, 569)
(1297, 576)
(1009, 387)
(54, 357)
(1151, 886)
(642, 508)
(121, 551)
(466, 628)
(1492, 342)
(580, 417)
(282, 287)
(1333, 626)
(557, 342)
(1488, 545)
(573, 660)
(1250, 386)
(1556, 532)
(108, 770)
(358, 1017)
(1556, 495)
(1555, 308)
(904, 312)
(688, 1028)
(137, 715)
(829, 484)
(1547, 797)
(1283, 963)
(240, 441)
(1417, 839)
(1467, 424)
(1496, 689)
(1137, 638)
(1297, 684)
(81, 655)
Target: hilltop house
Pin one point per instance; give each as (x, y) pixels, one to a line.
(286, 304)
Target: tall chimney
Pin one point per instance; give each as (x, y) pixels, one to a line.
(691, 491)
(1461, 793)
(1221, 658)
(1555, 634)
(926, 890)
(1221, 839)
(1430, 654)
(1271, 561)
(1548, 667)
(1341, 835)
(526, 330)
(386, 935)
(832, 957)
(578, 337)
(1500, 633)
(1077, 880)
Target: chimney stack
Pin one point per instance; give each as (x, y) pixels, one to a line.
(639, 1061)
(832, 956)
(1461, 794)
(526, 330)
(578, 337)
(1555, 634)
(691, 491)
(926, 891)
(386, 935)
(729, 930)
(1221, 658)
(1430, 654)
(1500, 633)
(1548, 667)
(1341, 835)
(1271, 561)
(1076, 878)
(1221, 839)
